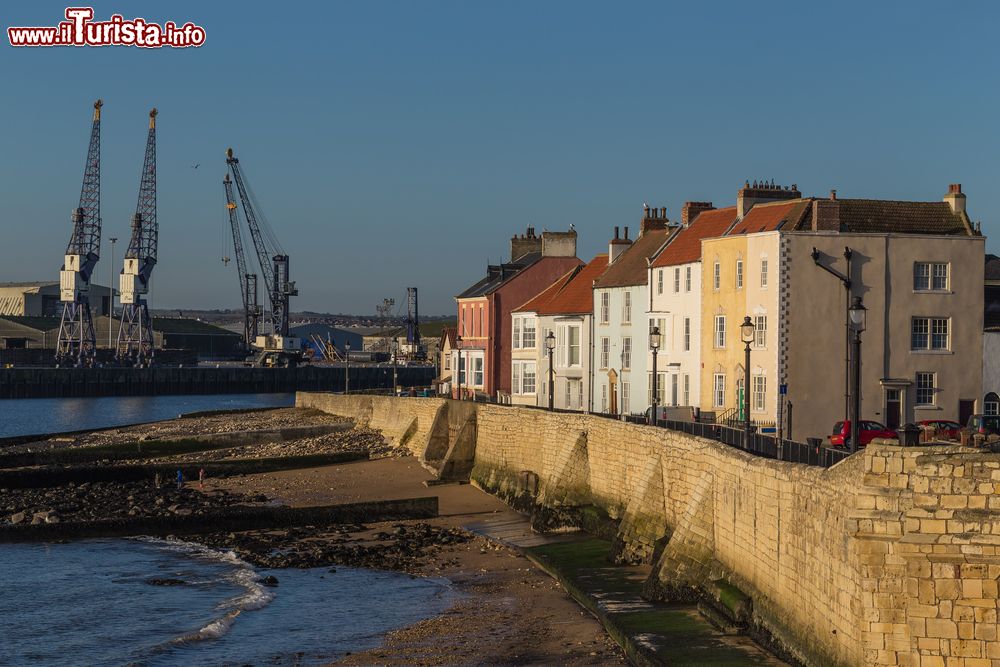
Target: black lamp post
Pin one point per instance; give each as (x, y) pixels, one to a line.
(550, 345)
(746, 335)
(858, 319)
(347, 366)
(654, 345)
(460, 369)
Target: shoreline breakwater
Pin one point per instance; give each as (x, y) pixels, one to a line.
(891, 557)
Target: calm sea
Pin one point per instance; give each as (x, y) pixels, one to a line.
(91, 603)
(35, 416)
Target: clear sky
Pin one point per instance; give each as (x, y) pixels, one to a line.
(394, 144)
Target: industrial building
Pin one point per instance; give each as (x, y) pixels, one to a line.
(41, 299)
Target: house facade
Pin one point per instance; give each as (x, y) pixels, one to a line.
(482, 355)
(917, 266)
(446, 345)
(620, 375)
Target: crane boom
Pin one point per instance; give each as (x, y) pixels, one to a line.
(135, 334)
(248, 281)
(76, 342)
(273, 262)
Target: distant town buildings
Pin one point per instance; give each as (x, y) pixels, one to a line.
(776, 257)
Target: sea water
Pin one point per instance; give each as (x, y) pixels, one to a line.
(94, 603)
(38, 416)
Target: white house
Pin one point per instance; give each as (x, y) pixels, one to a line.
(621, 326)
(675, 276)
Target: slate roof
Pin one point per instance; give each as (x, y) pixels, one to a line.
(686, 245)
(499, 275)
(630, 267)
(908, 217)
(992, 271)
(770, 216)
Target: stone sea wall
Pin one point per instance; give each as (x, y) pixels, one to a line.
(888, 558)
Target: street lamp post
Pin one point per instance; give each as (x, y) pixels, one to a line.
(746, 335)
(845, 280)
(654, 345)
(460, 368)
(550, 345)
(347, 366)
(858, 319)
(395, 351)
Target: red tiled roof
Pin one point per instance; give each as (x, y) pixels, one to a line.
(686, 246)
(771, 216)
(630, 267)
(541, 299)
(576, 295)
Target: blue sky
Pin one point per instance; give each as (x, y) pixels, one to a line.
(402, 143)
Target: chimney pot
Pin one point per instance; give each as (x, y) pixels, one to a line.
(663, 212)
(626, 232)
(833, 194)
(955, 188)
(616, 232)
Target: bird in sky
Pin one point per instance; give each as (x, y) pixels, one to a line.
(195, 166)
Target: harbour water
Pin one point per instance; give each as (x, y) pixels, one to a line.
(164, 603)
(35, 416)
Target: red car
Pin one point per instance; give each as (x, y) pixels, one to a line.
(870, 430)
(945, 427)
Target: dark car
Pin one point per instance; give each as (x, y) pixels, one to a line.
(870, 430)
(945, 428)
(985, 424)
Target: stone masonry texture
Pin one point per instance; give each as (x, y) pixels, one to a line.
(888, 558)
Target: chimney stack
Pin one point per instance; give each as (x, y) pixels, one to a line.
(653, 218)
(524, 244)
(833, 195)
(758, 193)
(691, 209)
(955, 199)
(617, 246)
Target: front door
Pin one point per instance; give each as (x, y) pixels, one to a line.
(892, 408)
(966, 409)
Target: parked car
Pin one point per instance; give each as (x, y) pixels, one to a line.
(945, 427)
(841, 436)
(985, 424)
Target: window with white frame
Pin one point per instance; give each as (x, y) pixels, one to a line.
(720, 331)
(759, 392)
(674, 388)
(604, 398)
(626, 352)
(716, 276)
(659, 281)
(687, 279)
(482, 321)
(461, 369)
(626, 393)
(991, 404)
(687, 389)
(605, 307)
(930, 333)
(718, 390)
(687, 334)
(523, 377)
(739, 274)
(926, 388)
(477, 372)
(447, 362)
(579, 394)
(516, 327)
(661, 390)
(677, 280)
(763, 272)
(626, 307)
(760, 330)
(605, 351)
(930, 276)
(572, 335)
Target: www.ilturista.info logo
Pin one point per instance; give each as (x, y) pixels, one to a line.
(80, 30)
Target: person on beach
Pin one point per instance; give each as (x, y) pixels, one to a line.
(201, 478)
(180, 479)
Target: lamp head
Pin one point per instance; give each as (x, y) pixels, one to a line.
(654, 339)
(747, 330)
(550, 341)
(859, 315)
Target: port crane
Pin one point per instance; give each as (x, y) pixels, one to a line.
(248, 281)
(274, 347)
(76, 343)
(135, 333)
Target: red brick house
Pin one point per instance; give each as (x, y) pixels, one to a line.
(482, 355)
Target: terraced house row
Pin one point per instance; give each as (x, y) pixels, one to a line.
(791, 264)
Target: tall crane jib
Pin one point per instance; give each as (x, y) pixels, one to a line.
(248, 281)
(135, 333)
(76, 343)
(275, 345)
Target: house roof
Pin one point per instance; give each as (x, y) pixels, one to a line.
(497, 275)
(630, 267)
(540, 300)
(686, 245)
(992, 270)
(448, 335)
(769, 216)
(910, 217)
